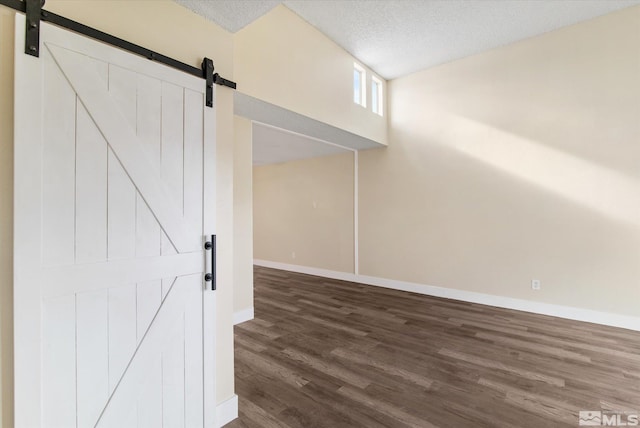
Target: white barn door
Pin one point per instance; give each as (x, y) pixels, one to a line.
(114, 191)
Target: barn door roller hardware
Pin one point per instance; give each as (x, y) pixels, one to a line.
(34, 14)
(207, 71)
(32, 39)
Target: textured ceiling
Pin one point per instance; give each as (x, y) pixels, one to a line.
(231, 15)
(399, 37)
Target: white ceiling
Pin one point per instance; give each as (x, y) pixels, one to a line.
(273, 145)
(399, 37)
(232, 15)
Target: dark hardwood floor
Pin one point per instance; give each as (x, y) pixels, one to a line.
(326, 353)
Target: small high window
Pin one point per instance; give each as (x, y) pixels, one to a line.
(359, 85)
(376, 95)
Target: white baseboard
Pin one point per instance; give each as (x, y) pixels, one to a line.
(243, 315)
(227, 411)
(568, 312)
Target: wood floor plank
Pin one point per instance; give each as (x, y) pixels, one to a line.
(330, 354)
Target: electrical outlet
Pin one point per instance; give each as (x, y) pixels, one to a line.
(535, 284)
(293, 254)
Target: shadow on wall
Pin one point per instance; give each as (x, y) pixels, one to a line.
(515, 164)
(608, 192)
(483, 209)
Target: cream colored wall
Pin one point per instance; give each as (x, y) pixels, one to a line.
(283, 60)
(515, 164)
(303, 212)
(176, 32)
(6, 217)
(243, 215)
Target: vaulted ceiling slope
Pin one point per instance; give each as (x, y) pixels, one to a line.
(399, 37)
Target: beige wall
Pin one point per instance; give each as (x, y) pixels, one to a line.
(283, 60)
(242, 215)
(6, 217)
(516, 164)
(303, 212)
(171, 30)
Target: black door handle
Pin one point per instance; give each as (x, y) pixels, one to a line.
(211, 276)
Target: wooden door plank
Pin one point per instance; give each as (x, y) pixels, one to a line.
(59, 362)
(193, 355)
(173, 368)
(167, 283)
(66, 280)
(148, 231)
(121, 211)
(58, 166)
(91, 191)
(125, 144)
(92, 355)
(149, 120)
(150, 398)
(132, 92)
(123, 90)
(170, 311)
(172, 148)
(209, 300)
(172, 152)
(172, 157)
(28, 229)
(148, 125)
(149, 299)
(122, 330)
(122, 194)
(193, 164)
